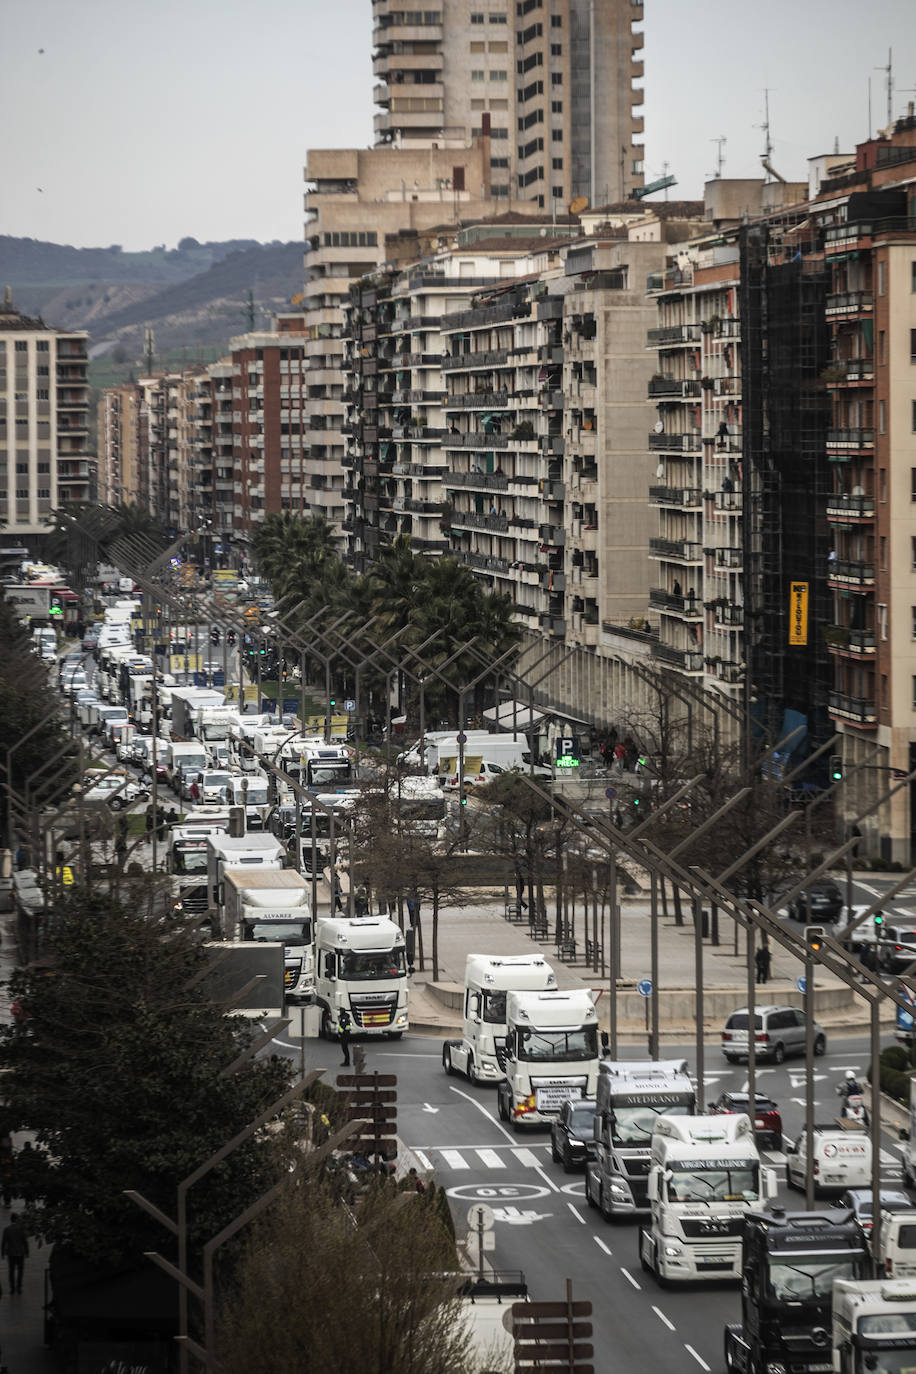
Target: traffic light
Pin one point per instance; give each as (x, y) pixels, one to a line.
(637, 801)
(214, 634)
(332, 702)
(836, 768)
(231, 636)
(814, 938)
(879, 921)
(262, 648)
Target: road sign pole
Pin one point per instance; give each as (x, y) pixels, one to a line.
(809, 1078)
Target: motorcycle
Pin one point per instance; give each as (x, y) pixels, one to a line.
(853, 1105)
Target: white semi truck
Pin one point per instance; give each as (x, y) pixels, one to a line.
(480, 1054)
(630, 1099)
(874, 1325)
(270, 905)
(551, 1055)
(705, 1175)
(242, 851)
(361, 967)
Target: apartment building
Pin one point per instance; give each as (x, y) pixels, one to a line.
(557, 81)
(44, 422)
(118, 432)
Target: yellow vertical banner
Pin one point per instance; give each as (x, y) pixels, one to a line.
(798, 613)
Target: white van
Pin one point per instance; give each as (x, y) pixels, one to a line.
(841, 1156)
(897, 1245)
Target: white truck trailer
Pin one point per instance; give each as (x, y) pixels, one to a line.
(705, 1175)
(874, 1325)
(630, 1099)
(242, 851)
(361, 967)
(480, 1054)
(551, 1055)
(271, 905)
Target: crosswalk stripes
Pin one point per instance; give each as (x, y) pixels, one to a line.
(498, 1157)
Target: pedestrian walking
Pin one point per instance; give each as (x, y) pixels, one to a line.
(6, 1168)
(150, 818)
(14, 1244)
(121, 848)
(762, 962)
(344, 1027)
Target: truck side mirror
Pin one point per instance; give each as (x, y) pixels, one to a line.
(770, 1184)
(791, 1148)
(329, 971)
(652, 1185)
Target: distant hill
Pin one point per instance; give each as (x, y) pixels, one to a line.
(191, 296)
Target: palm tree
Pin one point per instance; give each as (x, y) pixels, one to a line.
(395, 582)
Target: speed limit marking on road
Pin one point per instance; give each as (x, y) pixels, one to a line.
(503, 1192)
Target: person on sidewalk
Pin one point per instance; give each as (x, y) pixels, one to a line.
(344, 1026)
(762, 960)
(14, 1244)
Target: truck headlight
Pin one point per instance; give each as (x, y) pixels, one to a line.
(402, 1019)
(672, 1251)
(619, 1191)
(488, 1065)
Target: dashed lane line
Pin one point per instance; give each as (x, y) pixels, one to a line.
(627, 1275)
(662, 1318)
(699, 1358)
(601, 1245)
(576, 1213)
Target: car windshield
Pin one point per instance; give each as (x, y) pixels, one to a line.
(368, 965)
(558, 1046)
(714, 1183)
(580, 1121)
(634, 1125)
(812, 1278)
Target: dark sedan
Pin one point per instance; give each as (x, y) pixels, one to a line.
(572, 1138)
(824, 899)
(766, 1118)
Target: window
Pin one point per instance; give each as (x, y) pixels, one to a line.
(499, 105)
(44, 468)
(882, 279)
(478, 47)
(41, 346)
(882, 346)
(912, 345)
(499, 76)
(913, 618)
(882, 551)
(498, 19)
(556, 50)
(638, 166)
(478, 104)
(44, 493)
(499, 162)
(912, 281)
(22, 469)
(556, 21)
(557, 135)
(913, 552)
(882, 484)
(556, 79)
(882, 620)
(556, 107)
(882, 417)
(498, 133)
(557, 164)
(556, 192)
(42, 393)
(477, 76)
(44, 371)
(499, 47)
(22, 493)
(914, 416)
(476, 18)
(21, 346)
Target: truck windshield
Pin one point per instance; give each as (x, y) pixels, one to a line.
(215, 729)
(885, 1361)
(634, 1125)
(811, 1277)
(557, 1046)
(290, 932)
(189, 857)
(321, 773)
(367, 965)
(494, 1008)
(695, 1183)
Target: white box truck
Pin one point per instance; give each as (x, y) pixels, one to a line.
(630, 1099)
(272, 905)
(242, 851)
(705, 1175)
(551, 1055)
(874, 1325)
(361, 966)
(480, 1054)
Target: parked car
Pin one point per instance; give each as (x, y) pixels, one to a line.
(896, 949)
(825, 899)
(861, 1202)
(572, 1140)
(778, 1031)
(117, 790)
(765, 1116)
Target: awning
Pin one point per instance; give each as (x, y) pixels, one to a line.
(521, 719)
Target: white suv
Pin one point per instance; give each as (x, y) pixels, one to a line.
(778, 1031)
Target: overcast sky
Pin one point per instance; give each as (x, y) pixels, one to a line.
(140, 121)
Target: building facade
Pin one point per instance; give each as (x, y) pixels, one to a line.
(44, 422)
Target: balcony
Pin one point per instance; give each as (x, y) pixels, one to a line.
(726, 502)
(676, 550)
(689, 660)
(472, 520)
(684, 497)
(673, 335)
(847, 441)
(728, 615)
(484, 358)
(688, 607)
(675, 443)
(478, 400)
(660, 387)
(477, 440)
(850, 643)
(858, 710)
(847, 371)
(844, 572)
(847, 508)
(478, 481)
(849, 303)
(729, 559)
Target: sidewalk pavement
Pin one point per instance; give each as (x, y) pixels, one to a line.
(481, 928)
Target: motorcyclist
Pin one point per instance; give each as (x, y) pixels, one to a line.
(850, 1087)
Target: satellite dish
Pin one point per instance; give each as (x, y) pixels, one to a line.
(659, 426)
(577, 205)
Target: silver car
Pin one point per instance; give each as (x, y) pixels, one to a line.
(778, 1031)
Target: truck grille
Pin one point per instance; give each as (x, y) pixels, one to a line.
(711, 1228)
(500, 1042)
(373, 1011)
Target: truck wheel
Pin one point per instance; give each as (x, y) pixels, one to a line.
(644, 1263)
(503, 1109)
(471, 1071)
(447, 1060)
(554, 1152)
(588, 1189)
(606, 1212)
(325, 1031)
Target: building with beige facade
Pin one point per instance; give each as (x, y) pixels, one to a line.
(118, 437)
(45, 461)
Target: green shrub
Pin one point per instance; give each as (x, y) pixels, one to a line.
(895, 1057)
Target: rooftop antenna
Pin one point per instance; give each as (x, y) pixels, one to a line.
(720, 154)
(249, 312)
(765, 126)
(889, 82)
(150, 345)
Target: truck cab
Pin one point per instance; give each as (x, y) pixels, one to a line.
(243, 851)
(630, 1099)
(874, 1326)
(480, 1054)
(361, 967)
(551, 1055)
(791, 1263)
(705, 1175)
